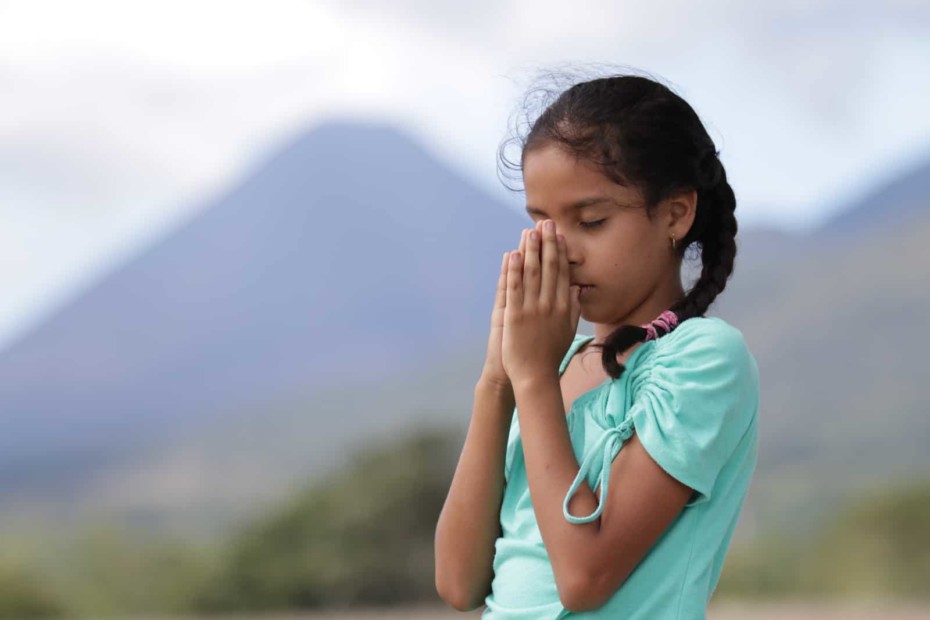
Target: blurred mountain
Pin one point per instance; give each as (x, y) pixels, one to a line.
(888, 206)
(840, 331)
(351, 253)
(214, 373)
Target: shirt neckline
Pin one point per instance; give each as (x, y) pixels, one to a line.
(584, 396)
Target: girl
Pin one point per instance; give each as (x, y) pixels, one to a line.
(615, 489)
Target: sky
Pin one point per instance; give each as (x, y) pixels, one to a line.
(119, 119)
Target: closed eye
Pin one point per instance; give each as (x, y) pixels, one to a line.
(594, 224)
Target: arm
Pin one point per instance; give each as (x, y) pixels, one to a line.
(469, 523)
(591, 560)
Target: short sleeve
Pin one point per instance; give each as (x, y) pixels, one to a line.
(699, 399)
(690, 403)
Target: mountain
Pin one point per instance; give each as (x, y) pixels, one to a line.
(839, 323)
(218, 339)
(888, 206)
(839, 331)
(839, 334)
(348, 254)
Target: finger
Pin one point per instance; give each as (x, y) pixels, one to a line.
(563, 285)
(575, 313)
(501, 296)
(551, 266)
(531, 269)
(573, 292)
(514, 300)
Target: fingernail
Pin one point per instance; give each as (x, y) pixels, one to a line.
(534, 236)
(550, 225)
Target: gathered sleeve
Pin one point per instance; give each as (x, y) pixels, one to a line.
(690, 405)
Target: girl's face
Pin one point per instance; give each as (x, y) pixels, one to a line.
(625, 257)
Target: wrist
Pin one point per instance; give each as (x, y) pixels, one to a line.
(494, 385)
(536, 382)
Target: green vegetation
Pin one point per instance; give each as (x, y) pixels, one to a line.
(114, 573)
(104, 570)
(878, 545)
(21, 595)
(365, 537)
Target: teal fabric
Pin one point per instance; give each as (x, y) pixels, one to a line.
(692, 397)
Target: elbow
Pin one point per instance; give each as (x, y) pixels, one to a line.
(461, 581)
(459, 602)
(456, 597)
(581, 593)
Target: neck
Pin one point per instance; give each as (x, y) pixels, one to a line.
(661, 299)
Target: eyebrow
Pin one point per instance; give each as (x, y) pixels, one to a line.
(580, 204)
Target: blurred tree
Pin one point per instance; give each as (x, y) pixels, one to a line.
(363, 537)
(21, 596)
(113, 571)
(878, 545)
(769, 567)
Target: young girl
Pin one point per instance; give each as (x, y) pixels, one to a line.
(615, 489)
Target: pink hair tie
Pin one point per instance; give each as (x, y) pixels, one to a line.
(667, 320)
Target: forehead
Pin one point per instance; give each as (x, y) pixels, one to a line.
(556, 180)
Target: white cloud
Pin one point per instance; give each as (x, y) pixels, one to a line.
(118, 118)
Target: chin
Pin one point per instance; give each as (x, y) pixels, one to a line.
(592, 317)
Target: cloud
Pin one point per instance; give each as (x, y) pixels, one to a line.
(118, 118)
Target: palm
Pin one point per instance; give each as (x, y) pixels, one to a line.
(494, 364)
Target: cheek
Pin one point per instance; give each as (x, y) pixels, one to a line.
(624, 261)
(630, 268)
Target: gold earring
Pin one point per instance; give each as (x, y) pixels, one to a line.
(674, 243)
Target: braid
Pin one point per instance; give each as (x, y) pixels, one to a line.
(714, 230)
(717, 238)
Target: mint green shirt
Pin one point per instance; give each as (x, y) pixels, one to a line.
(692, 397)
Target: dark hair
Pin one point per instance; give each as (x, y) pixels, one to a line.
(641, 134)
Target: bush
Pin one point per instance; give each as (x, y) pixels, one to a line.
(21, 596)
(364, 537)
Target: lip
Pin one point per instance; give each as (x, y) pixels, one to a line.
(585, 291)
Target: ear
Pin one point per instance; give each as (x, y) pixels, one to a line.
(682, 208)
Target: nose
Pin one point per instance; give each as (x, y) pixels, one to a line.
(572, 249)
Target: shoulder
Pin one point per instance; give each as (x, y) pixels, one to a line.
(704, 331)
(706, 359)
(706, 339)
(697, 400)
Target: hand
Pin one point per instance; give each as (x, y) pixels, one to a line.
(493, 371)
(541, 308)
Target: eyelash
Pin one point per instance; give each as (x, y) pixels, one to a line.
(594, 224)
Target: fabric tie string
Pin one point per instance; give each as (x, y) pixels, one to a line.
(606, 447)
